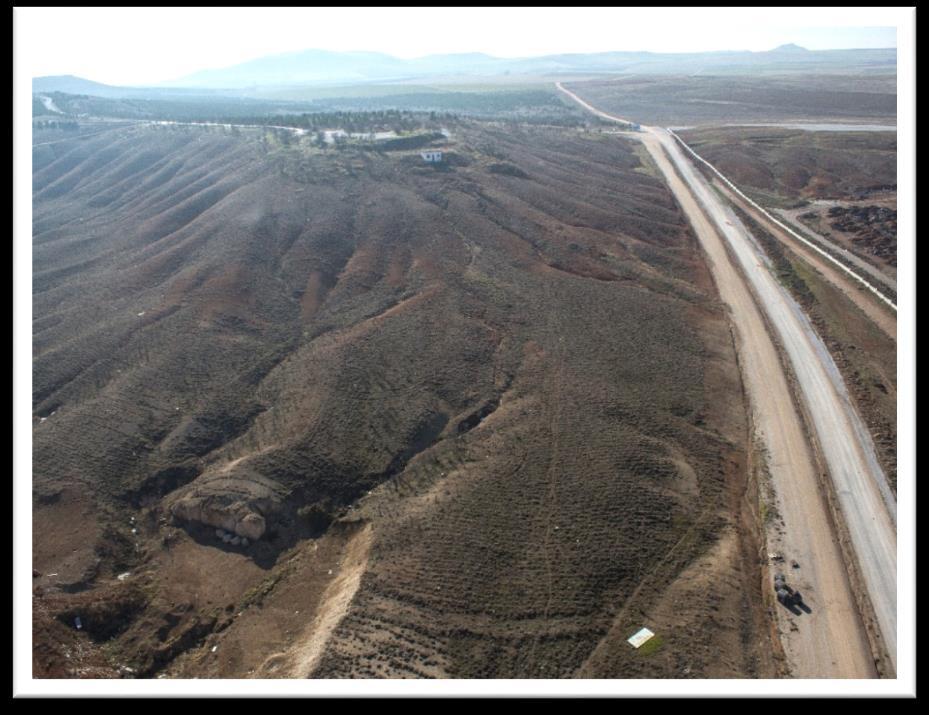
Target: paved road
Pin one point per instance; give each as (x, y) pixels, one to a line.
(797, 237)
(864, 497)
(883, 317)
(867, 504)
(808, 127)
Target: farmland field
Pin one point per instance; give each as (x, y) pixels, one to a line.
(713, 100)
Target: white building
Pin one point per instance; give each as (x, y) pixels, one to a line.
(433, 155)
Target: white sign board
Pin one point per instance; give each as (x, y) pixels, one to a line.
(640, 637)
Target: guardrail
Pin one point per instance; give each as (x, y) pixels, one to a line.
(786, 228)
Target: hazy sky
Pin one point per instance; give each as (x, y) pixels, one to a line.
(150, 45)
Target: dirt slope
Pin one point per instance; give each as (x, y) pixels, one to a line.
(784, 165)
(504, 379)
(832, 641)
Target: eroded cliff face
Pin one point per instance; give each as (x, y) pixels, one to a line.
(238, 517)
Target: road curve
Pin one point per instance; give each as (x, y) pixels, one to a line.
(883, 317)
(867, 284)
(866, 503)
(789, 217)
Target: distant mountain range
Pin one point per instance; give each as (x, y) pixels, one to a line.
(69, 84)
(314, 67)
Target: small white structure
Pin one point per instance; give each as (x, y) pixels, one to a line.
(640, 637)
(433, 156)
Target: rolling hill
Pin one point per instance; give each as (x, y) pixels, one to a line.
(338, 413)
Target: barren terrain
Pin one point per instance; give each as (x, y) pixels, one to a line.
(712, 100)
(782, 166)
(336, 413)
(830, 641)
(859, 328)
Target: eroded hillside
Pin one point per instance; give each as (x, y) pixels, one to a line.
(474, 420)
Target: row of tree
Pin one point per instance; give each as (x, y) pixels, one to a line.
(351, 122)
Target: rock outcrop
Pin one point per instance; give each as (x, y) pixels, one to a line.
(238, 503)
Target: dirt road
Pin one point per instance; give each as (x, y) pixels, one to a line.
(830, 641)
(789, 216)
(885, 319)
(867, 503)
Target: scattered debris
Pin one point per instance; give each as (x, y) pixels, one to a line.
(123, 576)
(640, 637)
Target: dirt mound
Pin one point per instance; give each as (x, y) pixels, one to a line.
(872, 228)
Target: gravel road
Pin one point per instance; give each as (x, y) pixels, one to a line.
(882, 316)
(866, 501)
(830, 641)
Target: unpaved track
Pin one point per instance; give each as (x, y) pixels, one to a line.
(829, 642)
(49, 104)
(306, 653)
(865, 282)
(790, 216)
(880, 315)
(867, 504)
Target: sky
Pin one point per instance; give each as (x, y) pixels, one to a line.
(151, 45)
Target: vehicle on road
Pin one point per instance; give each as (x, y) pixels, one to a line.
(785, 593)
